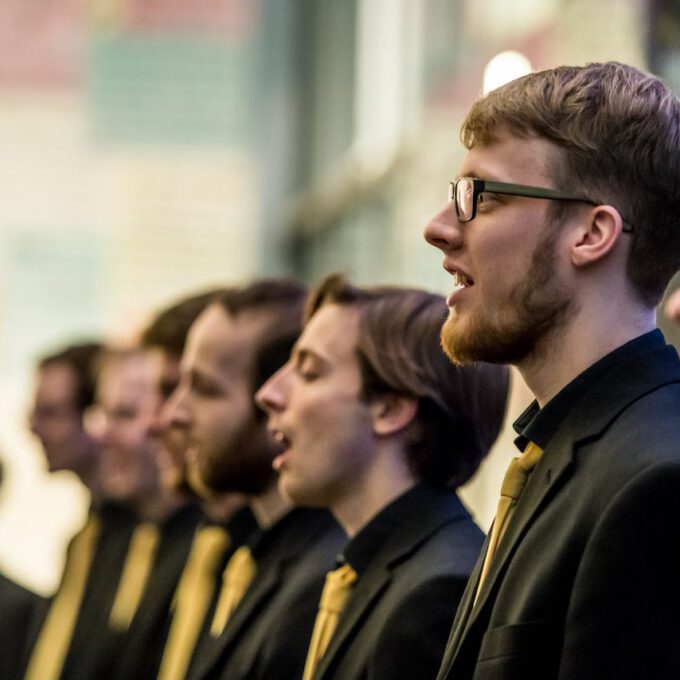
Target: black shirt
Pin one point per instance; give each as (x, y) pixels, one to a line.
(369, 541)
(540, 424)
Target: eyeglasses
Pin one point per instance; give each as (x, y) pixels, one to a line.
(465, 193)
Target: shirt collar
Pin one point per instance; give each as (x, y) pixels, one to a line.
(263, 541)
(540, 424)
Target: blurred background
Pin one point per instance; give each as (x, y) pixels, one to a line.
(153, 148)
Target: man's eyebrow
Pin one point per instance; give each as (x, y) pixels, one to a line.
(485, 176)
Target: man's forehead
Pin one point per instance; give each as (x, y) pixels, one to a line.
(56, 377)
(229, 339)
(510, 157)
(333, 329)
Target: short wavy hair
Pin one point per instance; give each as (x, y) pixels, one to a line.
(168, 330)
(282, 301)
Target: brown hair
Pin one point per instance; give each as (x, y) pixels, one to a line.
(81, 359)
(460, 408)
(282, 301)
(617, 130)
(170, 327)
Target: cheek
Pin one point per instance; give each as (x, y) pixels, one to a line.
(217, 423)
(335, 436)
(135, 438)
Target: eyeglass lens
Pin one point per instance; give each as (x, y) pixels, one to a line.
(464, 191)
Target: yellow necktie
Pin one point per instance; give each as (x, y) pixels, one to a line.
(516, 477)
(135, 574)
(51, 647)
(192, 599)
(236, 580)
(333, 600)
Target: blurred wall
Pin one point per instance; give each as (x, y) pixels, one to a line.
(153, 147)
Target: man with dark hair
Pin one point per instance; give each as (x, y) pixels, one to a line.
(137, 621)
(562, 234)
(224, 526)
(380, 428)
(267, 603)
(65, 390)
(165, 338)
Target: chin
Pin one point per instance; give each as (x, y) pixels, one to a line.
(297, 494)
(451, 335)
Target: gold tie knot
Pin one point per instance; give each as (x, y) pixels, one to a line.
(240, 570)
(337, 588)
(519, 470)
(209, 544)
(516, 477)
(333, 600)
(206, 551)
(238, 575)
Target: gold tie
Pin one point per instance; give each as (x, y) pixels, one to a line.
(516, 477)
(51, 647)
(334, 597)
(192, 599)
(236, 580)
(135, 574)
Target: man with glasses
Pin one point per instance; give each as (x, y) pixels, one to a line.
(63, 636)
(562, 235)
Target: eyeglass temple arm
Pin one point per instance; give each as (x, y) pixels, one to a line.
(536, 192)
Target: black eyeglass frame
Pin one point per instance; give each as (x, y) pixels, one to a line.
(479, 186)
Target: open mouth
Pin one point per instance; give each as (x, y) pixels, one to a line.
(461, 280)
(281, 439)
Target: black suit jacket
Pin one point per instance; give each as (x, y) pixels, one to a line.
(397, 620)
(88, 642)
(269, 631)
(585, 582)
(140, 649)
(18, 608)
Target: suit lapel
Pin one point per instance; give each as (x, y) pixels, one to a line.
(437, 511)
(549, 473)
(464, 611)
(247, 609)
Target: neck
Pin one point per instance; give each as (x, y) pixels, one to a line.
(223, 507)
(387, 479)
(157, 507)
(569, 350)
(89, 474)
(268, 507)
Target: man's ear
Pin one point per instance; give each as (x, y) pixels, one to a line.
(596, 236)
(391, 413)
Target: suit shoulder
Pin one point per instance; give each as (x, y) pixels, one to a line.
(442, 540)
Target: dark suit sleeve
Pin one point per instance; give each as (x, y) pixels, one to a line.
(624, 618)
(18, 610)
(411, 644)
